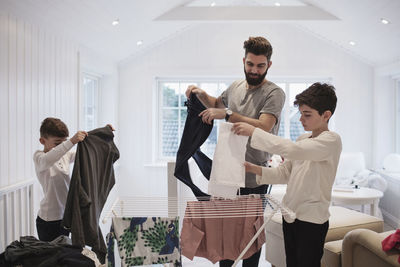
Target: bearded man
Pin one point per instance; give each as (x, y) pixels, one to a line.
(254, 100)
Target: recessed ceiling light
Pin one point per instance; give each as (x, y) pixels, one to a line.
(352, 43)
(277, 4)
(212, 4)
(115, 22)
(385, 21)
(139, 43)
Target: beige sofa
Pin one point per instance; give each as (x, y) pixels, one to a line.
(342, 221)
(359, 248)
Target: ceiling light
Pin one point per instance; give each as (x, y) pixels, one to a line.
(385, 21)
(277, 4)
(212, 4)
(139, 43)
(352, 43)
(115, 22)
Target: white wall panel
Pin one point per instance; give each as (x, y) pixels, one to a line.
(38, 78)
(34, 92)
(12, 99)
(28, 99)
(4, 99)
(20, 107)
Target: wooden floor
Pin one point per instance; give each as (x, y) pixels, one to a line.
(202, 262)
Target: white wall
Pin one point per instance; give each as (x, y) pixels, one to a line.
(214, 50)
(385, 111)
(39, 73)
(38, 78)
(384, 118)
(107, 71)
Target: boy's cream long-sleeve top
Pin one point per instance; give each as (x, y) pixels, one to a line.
(309, 170)
(52, 170)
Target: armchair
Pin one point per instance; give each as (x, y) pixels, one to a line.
(359, 248)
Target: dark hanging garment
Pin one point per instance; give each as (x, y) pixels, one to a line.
(194, 135)
(92, 180)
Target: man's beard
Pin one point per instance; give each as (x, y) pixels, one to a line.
(256, 80)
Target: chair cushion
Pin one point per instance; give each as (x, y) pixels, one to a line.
(332, 253)
(342, 220)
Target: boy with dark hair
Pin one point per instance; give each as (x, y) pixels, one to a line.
(309, 171)
(52, 170)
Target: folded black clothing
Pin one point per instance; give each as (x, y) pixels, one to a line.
(31, 252)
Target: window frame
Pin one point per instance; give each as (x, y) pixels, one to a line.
(157, 133)
(286, 109)
(397, 116)
(97, 79)
(157, 151)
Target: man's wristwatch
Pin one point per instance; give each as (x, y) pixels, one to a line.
(228, 113)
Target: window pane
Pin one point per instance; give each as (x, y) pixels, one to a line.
(296, 128)
(210, 88)
(295, 89)
(281, 131)
(169, 132)
(174, 113)
(209, 145)
(90, 92)
(398, 118)
(281, 85)
(170, 93)
(183, 87)
(183, 115)
(222, 87)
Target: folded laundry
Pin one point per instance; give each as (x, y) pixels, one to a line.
(221, 229)
(144, 240)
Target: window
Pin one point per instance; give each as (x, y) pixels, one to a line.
(90, 85)
(172, 111)
(290, 126)
(397, 115)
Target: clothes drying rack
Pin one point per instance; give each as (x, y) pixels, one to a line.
(139, 206)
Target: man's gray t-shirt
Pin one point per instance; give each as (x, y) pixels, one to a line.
(268, 98)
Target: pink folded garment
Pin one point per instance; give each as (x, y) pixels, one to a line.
(221, 229)
(392, 241)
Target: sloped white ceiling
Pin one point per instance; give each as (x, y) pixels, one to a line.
(88, 22)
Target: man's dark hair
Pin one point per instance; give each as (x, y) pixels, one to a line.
(258, 46)
(53, 127)
(320, 97)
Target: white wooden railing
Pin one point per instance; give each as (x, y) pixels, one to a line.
(16, 212)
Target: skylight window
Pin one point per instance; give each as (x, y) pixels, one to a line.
(231, 3)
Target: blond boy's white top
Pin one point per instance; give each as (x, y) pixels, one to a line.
(53, 172)
(309, 170)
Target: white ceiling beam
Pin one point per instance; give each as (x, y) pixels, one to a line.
(250, 13)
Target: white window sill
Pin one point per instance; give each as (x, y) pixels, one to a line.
(159, 164)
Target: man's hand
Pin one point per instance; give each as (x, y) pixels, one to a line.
(78, 137)
(208, 115)
(252, 168)
(242, 128)
(196, 90)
